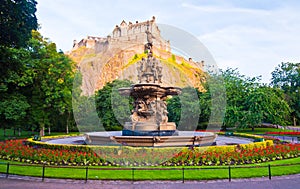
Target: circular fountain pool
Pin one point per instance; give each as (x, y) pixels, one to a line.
(219, 140)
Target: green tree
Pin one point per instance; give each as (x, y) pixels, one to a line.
(84, 108)
(213, 102)
(184, 109)
(13, 110)
(32, 70)
(10, 85)
(174, 109)
(238, 87)
(266, 104)
(250, 103)
(286, 76)
(205, 109)
(52, 76)
(193, 109)
(112, 108)
(17, 19)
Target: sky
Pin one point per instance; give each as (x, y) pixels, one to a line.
(253, 36)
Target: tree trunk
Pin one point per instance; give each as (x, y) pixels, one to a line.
(252, 128)
(49, 130)
(67, 126)
(295, 122)
(4, 133)
(42, 131)
(19, 134)
(14, 131)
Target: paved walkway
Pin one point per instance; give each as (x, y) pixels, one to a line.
(293, 128)
(288, 128)
(283, 182)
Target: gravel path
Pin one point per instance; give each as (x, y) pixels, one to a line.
(18, 182)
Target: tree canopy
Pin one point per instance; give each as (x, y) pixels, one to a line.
(112, 108)
(184, 109)
(39, 91)
(286, 76)
(250, 103)
(17, 20)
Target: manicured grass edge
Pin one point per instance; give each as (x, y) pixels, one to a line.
(278, 168)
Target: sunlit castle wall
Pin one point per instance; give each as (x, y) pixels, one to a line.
(126, 34)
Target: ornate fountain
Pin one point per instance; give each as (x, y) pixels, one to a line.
(149, 116)
(149, 124)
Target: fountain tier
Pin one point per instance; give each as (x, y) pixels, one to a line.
(149, 117)
(183, 138)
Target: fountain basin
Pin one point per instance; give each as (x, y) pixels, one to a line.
(181, 138)
(75, 140)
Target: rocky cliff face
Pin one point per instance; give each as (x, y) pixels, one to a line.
(98, 68)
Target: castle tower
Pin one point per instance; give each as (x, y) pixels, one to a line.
(125, 32)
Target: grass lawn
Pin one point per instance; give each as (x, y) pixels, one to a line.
(163, 173)
(9, 134)
(260, 130)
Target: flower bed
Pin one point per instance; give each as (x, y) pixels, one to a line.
(283, 133)
(18, 150)
(241, 155)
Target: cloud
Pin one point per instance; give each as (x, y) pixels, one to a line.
(253, 35)
(255, 51)
(254, 40)
(224, 9)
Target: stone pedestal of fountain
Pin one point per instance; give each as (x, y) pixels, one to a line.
(149, 116)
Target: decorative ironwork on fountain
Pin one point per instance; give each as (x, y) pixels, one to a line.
(149, 116)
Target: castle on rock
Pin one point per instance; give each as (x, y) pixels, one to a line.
(126, 34)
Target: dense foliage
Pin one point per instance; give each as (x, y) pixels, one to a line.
(38, 94)
(286, 77)
(250, 103)
(113, 109)
(35, 79)
(17, 19)
(184, 109)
